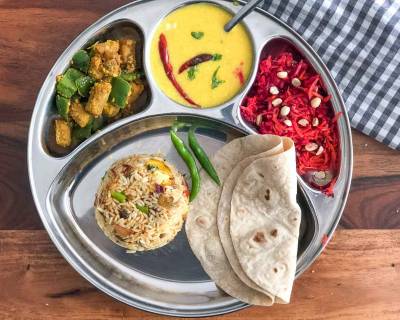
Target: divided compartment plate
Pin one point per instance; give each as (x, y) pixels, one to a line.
(58, 182)
(173, 268)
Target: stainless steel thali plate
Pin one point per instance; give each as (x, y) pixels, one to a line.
(169, 280)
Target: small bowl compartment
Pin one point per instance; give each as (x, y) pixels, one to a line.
(117, 30)
(274, 47)
(174, 97)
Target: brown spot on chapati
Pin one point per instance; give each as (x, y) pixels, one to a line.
(203, 221)
(267, 195)
(275, 270)
(274, 233)
(162, 235)
(259, 237)
(261, 175)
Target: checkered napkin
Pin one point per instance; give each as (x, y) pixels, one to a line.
(359, 41)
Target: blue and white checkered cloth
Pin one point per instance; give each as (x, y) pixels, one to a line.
(359, 41)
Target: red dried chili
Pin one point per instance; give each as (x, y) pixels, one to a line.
(164, 56)
(317, 125)
(195, 61)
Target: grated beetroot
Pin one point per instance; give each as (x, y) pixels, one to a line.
(258, 110)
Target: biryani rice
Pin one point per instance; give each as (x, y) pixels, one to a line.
(147, 182)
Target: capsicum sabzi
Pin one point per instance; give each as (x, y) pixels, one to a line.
(101, 85)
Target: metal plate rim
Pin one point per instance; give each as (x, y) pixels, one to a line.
(80, 269)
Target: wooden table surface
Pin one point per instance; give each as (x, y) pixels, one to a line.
(357, 276)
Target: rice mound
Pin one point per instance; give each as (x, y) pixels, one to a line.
(155, 206)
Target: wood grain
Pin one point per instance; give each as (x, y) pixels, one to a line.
(374, 159)
(33, 34)
(356, 277)
(374, 202)
(29, 46)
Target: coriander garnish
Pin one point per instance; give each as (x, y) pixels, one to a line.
(192, 72)
(197, 34)
(215, 82)
(144, 209)
(216, 57)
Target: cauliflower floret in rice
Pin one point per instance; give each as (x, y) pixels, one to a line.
(141, 203)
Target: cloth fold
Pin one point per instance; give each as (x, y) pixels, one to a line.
(359, 41)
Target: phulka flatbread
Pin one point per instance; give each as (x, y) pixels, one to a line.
(265, 220)
(224, 209)
(201, 224)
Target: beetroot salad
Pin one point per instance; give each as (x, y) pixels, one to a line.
(288, 99)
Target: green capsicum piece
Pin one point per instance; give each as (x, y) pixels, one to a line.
(81, 60)
(66, 86)
(83, 133)
(144, 209)
(119, 196)
(83, 85)
(98, 123)
(63, 104)
(120, 92)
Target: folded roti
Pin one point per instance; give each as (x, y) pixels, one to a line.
(201, 224)
(265, 221)
(224, 209)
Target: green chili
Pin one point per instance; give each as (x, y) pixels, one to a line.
(201, 155)
(119, 196)
(177, 125)
(190, 162)
(144, 209)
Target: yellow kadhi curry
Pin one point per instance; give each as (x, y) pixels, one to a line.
(195, 33)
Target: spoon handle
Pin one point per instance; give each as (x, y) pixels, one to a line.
(243, 12)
